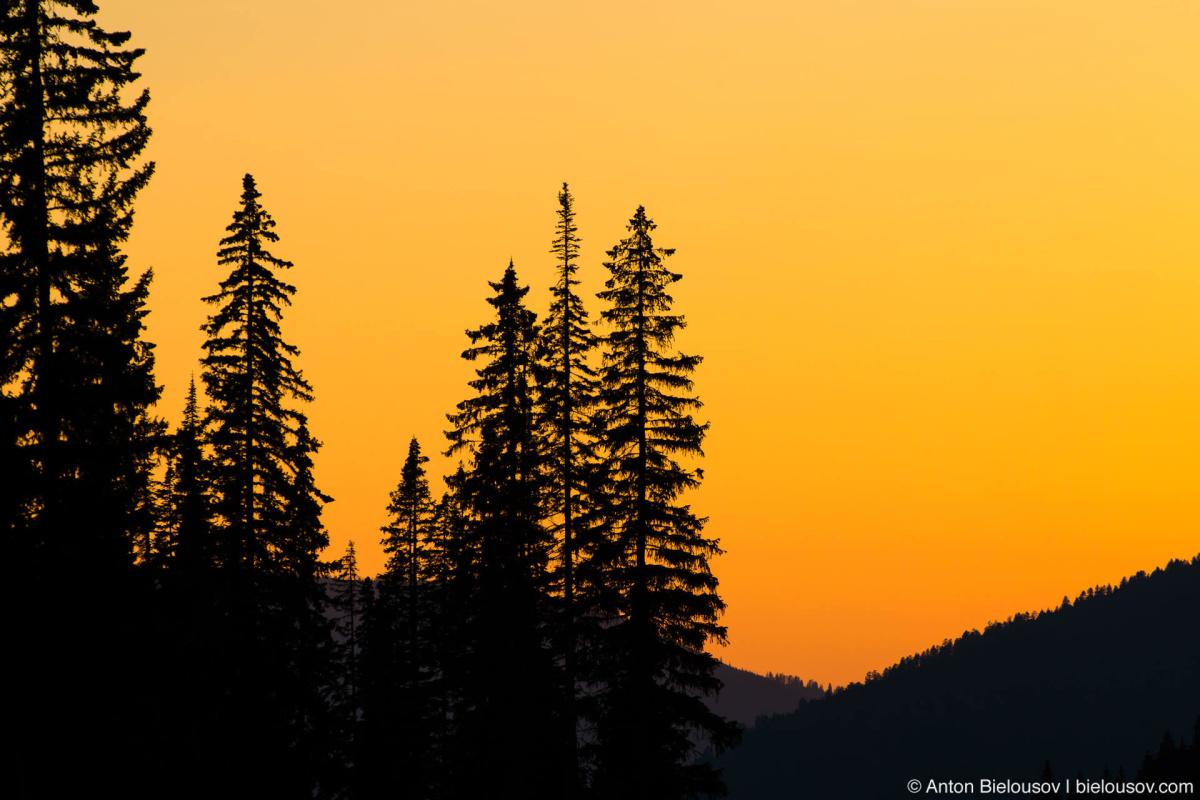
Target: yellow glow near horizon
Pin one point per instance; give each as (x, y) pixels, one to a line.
(940, 259)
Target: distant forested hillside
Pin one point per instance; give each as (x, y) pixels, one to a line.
(1090, 685)
(747, 695)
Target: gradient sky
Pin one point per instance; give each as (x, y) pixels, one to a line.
(941, 259)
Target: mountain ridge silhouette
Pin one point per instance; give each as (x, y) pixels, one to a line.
(1088, 686)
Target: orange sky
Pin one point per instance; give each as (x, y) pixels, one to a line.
(941, 259)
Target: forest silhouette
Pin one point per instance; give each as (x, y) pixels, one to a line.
(541, 629)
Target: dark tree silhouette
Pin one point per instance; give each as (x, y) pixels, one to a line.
(77, 439)
(267, 531)
(254, 431)
(185, 517)
(406, 537)
(72, 351)
(566, 399)
(507, 715)
(663, 605)
(1174, 762)
(404, 724)
(347, 600)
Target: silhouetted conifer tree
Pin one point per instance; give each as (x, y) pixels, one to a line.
(76, 381)
(1174, 762)
(183, 539)
(406, 538)
(662, 606)
(259, 440)
(507, 720)
(348, 602)
(567, 398)
(267, 530)
(405, 712)
(72, 333)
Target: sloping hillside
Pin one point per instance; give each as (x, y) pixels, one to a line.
(1089, 685)
(748, 695)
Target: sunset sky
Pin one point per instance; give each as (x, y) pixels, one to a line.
(941, 259)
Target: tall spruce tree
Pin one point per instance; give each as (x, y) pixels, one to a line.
(259, 437)
(510, 703)
(404, 716)
(185, 518)
(77, 438)
(566, 400)
(406, 537)
(75, 373)
(662, 602)
(279, 662)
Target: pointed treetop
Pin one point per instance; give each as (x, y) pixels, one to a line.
(507, 291)
(250, 192)
(350, 563)
(191, 410)
(639, 217)
(413, 472)
(250, 188)
(565, 198)
(566, 242)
